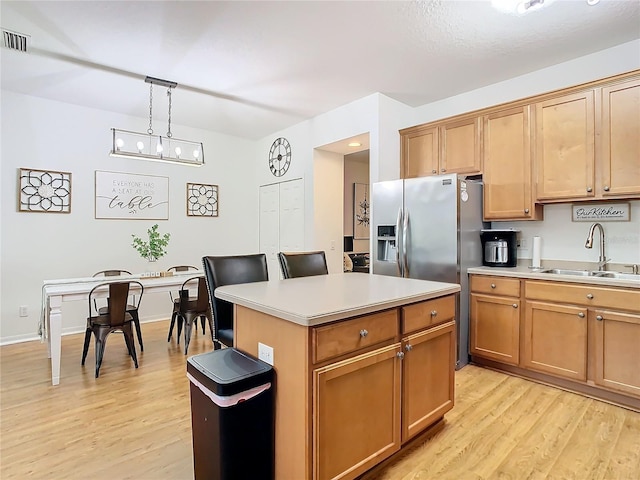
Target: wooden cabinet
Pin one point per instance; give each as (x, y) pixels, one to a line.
(448, 147)
(356, 413)
(427, 377)
(508, 189)
(565, 147)
(494, 316)
(555, 339)
(620, 162)
(617, 350)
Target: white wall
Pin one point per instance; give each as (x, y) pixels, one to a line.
(47, 135)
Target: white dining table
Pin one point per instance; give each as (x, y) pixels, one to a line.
(56, 292)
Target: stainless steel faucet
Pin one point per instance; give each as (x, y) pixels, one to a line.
(602, 260)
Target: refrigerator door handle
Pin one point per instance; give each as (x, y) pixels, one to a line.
(398, 226)
(405, 251)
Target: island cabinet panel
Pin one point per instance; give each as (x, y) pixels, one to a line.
(620, 160)
(357, 412)
(346, 337)
(555, 339)
(565, 147)
(425, 314)
(427, 378)
(617, 350)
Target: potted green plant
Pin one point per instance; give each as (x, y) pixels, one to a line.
(153, 249)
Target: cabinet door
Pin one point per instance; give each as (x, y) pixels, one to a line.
(555, 339)
(428, 378)
(617, 347)
(621, 139)
(356, 417)
(419, 154)
(508, 192)
(564, 153)
(495, 328)
(461, 146)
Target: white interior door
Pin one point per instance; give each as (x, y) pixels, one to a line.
(269, 226)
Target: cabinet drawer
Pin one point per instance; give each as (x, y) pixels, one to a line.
(424, 314)
(350, 335)
(583, 295)
(495, 285)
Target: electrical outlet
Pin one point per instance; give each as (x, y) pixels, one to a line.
(265, 353)
(24, 311)
(522, 244)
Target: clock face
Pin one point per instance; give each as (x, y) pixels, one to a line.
(279, 157)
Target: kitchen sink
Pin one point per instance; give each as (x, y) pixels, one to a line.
(592, 273)
(562, 271)
(620, 275)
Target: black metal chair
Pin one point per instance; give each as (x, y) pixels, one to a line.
(191, 308)
(230, 270)
(176, 301)
(115, 318)
(132, 307)
(302, 264)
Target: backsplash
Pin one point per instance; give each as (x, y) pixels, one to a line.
(563, 239)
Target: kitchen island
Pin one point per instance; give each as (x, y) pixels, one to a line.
(363, 364)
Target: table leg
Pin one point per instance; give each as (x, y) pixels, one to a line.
(55, 334)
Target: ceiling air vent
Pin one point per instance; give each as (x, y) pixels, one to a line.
(15, 41)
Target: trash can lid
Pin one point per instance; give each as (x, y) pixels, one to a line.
(229, 371)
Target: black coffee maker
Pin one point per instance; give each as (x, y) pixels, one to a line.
(499, 248)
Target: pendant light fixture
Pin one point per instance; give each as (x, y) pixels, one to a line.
(148, 146)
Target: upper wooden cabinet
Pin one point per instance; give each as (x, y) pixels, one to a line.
(508, 191)
(620, 164)
(451, 147)
(565, 147)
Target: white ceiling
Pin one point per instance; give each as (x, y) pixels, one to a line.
(252, 68)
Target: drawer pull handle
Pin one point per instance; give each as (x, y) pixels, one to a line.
(363, 333)
(408, 347)
(581, 314)
(515, 305)
(493, 285)
(606, 188)
(434, 313)
(590, 296)
(599, 318)
(400, 355)
(589, 189)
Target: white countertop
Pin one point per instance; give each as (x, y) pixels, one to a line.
(522, 271)
(320, 299)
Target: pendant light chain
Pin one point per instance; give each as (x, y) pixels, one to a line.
(150, 130)
(169, 124)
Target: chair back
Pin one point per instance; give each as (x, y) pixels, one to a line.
(111, 273)
(303, 264)
(201, 304)
(117, 301)
(231, 270)
(181, 268)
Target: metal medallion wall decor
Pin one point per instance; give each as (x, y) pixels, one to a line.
(44, 191)
(202, 200)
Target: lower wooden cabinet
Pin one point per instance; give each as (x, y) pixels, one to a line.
(555, 339)
(617, 351)
(495, 328)
(357, 413)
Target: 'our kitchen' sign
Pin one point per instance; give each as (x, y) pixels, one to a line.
(132, 196)
(608, 212)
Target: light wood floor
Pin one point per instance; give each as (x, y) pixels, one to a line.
(135, 424)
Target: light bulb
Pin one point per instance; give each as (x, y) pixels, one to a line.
(140, 146)
(196, 153)
(178, 151)
(159, 148)
(119, 143)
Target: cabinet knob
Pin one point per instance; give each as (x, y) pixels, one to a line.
(599, 318)
(515, 305)
(434, 171)
(363, 333)
(493, 285)
(443, 170)
(590, 296)
(408, 347)
(581, 314)
(606, 188)
(526, 210)
(434, 313)
(400, 355)
(589, 189)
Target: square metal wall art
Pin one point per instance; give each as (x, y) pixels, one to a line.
(44, 191)
(202, 200)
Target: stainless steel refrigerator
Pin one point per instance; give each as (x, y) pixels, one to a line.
(429, 228)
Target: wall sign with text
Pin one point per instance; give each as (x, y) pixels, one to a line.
(600, 212)
(131, 196)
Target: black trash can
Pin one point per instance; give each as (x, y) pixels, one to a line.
(232, 416)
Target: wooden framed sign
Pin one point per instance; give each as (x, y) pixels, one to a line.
(131, 196)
